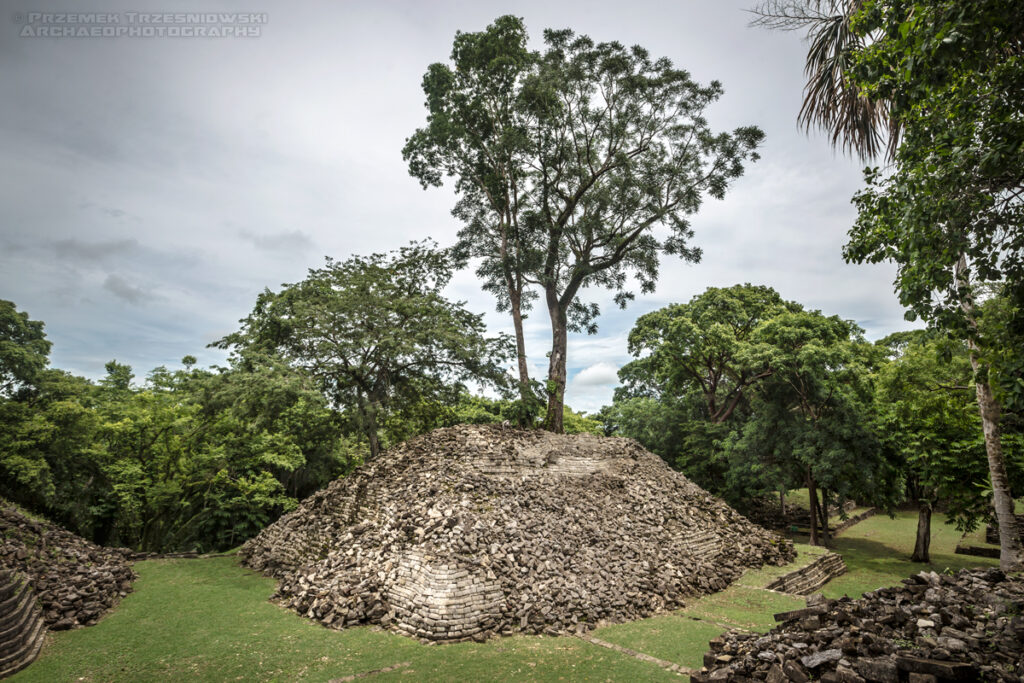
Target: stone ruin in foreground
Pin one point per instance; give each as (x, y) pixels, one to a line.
(75, 582)
(472, 531)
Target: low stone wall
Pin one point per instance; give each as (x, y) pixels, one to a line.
(186, 555)
(812, 577)
(21, 624)
(976, 551)
(870, 512)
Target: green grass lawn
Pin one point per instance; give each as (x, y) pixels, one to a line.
(800, 498)
(210, 620)
(877, 553)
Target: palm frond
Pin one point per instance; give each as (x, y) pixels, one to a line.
(857, 124)
(790, 15)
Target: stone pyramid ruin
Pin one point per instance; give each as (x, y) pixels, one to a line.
(471, 531)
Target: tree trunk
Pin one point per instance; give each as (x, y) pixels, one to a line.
(525, 392)
(782, 504)
(556, 367)
(813, 500)
(374, 441)
(369, 414)
(1011, 553)
(924, 531)
(515, 297)
(823, 515)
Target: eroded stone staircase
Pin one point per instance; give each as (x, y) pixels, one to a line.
(812, 577)
(21, 624)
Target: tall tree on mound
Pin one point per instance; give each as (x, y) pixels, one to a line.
(567, 161)
(376, 333)
(477, 131)
(949, 212)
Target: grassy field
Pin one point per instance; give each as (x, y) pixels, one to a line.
(877, 552)
(210, 620)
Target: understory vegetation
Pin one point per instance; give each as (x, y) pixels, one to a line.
(203, 459)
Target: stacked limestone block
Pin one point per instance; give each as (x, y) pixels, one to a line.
(21, 624)
(472, 531)
(812, 577)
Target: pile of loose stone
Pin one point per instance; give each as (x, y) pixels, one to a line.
(963, 627)
(74, 580)
(472, 531)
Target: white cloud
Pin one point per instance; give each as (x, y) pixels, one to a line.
(598, 374)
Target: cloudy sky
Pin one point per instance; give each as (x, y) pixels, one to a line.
(154, 185)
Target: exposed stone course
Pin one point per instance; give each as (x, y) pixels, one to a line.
(812, 577)
(75, 581)
(21, 624)
(472, 531)
(932, 627)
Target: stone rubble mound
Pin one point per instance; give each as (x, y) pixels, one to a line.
(74, 580)
(472, 531)
(934, 627)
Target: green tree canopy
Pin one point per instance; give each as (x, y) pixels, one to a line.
(699, 347)
(749, 395)
(376, 333)
(928, 421)
(812, 418)
(24, 348)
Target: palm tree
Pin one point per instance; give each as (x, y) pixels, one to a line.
(857, 124)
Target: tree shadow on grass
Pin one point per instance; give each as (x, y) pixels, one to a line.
(874, 564)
